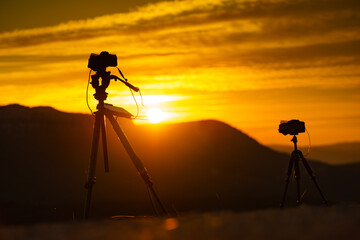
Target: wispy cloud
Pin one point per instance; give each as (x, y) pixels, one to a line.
(181, 36)
(244, 25)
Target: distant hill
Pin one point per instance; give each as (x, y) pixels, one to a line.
(196, 166)
(335, 154)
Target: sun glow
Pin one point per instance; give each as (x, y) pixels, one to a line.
(155, 115)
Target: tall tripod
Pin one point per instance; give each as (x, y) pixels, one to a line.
(108, 111)
(297, 156)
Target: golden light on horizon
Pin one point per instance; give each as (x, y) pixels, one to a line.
(157, 108)
(156, 115)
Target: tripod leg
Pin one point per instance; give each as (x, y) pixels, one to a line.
(290, 167)
(313, 178)
(297, 178)
(91, 173)
(135, 159)
(103, 134)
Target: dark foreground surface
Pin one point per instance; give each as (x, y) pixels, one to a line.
(305, 222)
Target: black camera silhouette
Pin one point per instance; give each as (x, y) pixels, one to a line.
(292, 127)
(99, 62)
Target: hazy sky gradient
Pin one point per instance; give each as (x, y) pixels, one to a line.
(248, 63)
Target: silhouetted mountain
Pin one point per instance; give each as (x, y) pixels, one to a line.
(336, 154)
(195, 166)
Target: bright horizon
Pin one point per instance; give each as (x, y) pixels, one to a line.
(247, 63)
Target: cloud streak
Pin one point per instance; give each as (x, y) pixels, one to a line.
(200, 34)
(274, 20)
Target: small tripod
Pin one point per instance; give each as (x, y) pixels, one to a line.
(108, 111)
(296, 156)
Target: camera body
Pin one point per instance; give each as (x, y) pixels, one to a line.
(292, 127)
(99, 62)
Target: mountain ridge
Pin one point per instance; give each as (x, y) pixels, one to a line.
(334, 154)
(195, 166)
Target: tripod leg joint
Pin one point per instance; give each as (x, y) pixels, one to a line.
(144, 174)
(90, 182)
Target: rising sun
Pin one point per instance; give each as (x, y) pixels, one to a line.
(155, 115)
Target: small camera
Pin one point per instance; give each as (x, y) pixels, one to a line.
(99, 62)
(292, 127)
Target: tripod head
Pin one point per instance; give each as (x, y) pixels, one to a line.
(294, 140)
(99, 63)
(100, 93)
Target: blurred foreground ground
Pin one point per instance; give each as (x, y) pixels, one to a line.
(305, 222)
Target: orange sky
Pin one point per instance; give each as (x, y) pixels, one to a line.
(248, 63)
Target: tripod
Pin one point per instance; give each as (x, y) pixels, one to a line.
(297, 156)
(108, 111)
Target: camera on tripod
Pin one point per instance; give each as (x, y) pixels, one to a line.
(292, 127)
(99, 62)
